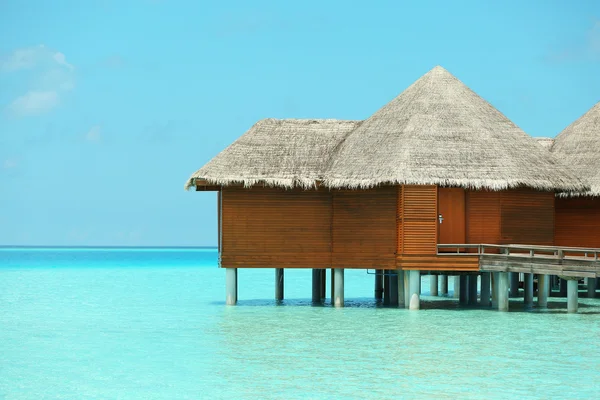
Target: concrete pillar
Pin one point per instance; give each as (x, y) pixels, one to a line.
(495, 290)
(401, 290)
(456, 294)
(406, 289)
(379, 284)
(278, 284)
(323, 284)
(338, 295)
(572, 295)
(463, 289)
(562, 291)
(591, 287)
(393, 281)
(230, 286)
(443, 285)
(503, 284)
(433, 285)
(514, 284)
(415, 301)
(316, 285)
(528, 290)
(386, 288)
(472, 290)
(543, 290)
(485, 289)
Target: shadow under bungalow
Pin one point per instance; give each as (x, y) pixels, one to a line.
(436, 182)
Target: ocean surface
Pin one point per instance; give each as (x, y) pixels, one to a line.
(114, 323)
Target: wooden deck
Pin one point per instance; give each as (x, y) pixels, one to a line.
(573, 262)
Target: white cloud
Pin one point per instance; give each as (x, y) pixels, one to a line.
(94, 134)
(34, 103)
(49, 76)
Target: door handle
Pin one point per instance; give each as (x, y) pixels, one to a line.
(441, 218)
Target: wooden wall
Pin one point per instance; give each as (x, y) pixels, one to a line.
(364, 228)
(516, 216)
(417, 219)
(578, 222)
(267, 227)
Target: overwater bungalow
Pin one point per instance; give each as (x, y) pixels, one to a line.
(436, 182)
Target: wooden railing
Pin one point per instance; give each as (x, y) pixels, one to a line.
(559, 252)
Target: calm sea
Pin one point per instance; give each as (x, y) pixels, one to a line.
(152, 324)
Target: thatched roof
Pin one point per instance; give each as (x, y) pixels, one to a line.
(440, 132)
(545, 142)
(285, 153)
(578, 146)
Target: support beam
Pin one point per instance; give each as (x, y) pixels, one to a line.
(379, 284)
(528, 289)
(514, 284)
(393, 281)
(503, 285)
(386, 289)
(433, 285)
(278, 284)
(415, 301)
(456, 294)
(485, 289)
(323, 284)
(495, 290)
(591, 287)
(543, 290)
(401, 289)
(572, 295)
(406, 289)
(338, 295)
(316, 285)
(443, 285)
(332, 288)
(472, 290)
(231, 286)
(463, 289)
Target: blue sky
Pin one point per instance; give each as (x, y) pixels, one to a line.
(106, 107)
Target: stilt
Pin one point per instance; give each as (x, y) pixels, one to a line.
(528, 289)
(386, 288)
(463, 289)
(591, 287)
(543, 290)
(514, 284)
(401, 290)
(332, 285)
(316, 285)
(378, 284)
(338, 295)
(495, 290)
(572, 295)
(562, 291)
(406, 289)
(415, 301)
(323, 284)
(278, 284)
(443, 285)
(393, 280)
(485, 289)
(472, 290)
(231, 286)
(456, 294)
(502, 295)
(433, 285)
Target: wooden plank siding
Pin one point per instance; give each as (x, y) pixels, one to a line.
(483, 217)
(364, 228)
(276, 228)
(417, 218)
(578, 222)
(527, 217)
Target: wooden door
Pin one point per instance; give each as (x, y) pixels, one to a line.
(451, 216)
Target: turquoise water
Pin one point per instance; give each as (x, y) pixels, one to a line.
(152, 324)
